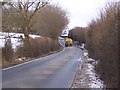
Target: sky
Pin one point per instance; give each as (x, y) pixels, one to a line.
(81, 12)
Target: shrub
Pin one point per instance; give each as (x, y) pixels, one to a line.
(38, 47)
(7, 51)
(102, 44)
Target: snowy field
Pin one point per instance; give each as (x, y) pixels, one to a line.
(14, 38)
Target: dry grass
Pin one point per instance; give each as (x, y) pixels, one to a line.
(39, 47)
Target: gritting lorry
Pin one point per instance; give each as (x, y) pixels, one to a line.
(68, 42)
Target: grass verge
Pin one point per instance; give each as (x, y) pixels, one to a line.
(9, 64)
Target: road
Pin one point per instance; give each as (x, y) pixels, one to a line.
(53, 71)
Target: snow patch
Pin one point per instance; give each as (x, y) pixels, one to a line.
(86, 77)
(15, 38)
(94, 79)
(95, 82)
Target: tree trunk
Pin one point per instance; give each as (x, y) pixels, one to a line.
(26, 45)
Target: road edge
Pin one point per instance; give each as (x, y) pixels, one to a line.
(30, 61)
(75, 72)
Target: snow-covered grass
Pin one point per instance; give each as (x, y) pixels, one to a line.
(95, 82)
(86, 76)
(14, 38)
(94, 79)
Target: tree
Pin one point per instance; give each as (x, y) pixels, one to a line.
(24, 11)
(7, 51)
(51, 20)
(77, 34)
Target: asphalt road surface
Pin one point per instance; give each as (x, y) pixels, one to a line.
(54, 71)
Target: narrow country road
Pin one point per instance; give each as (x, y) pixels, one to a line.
(54, 71)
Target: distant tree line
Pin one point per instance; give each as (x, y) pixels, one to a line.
(77, 34)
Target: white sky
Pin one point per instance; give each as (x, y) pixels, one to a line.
(81, 12)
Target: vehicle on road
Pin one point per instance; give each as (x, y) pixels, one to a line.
(64, 33)
(68, 42)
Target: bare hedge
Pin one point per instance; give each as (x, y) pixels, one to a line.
(38, 47)
(102, 43)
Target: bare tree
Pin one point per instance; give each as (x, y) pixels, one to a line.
(24, 11)
(77, 34)
(51, 20)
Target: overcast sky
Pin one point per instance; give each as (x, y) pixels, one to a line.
(81, 12)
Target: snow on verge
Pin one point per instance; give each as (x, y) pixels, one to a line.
(86, 76)
(94, 80)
